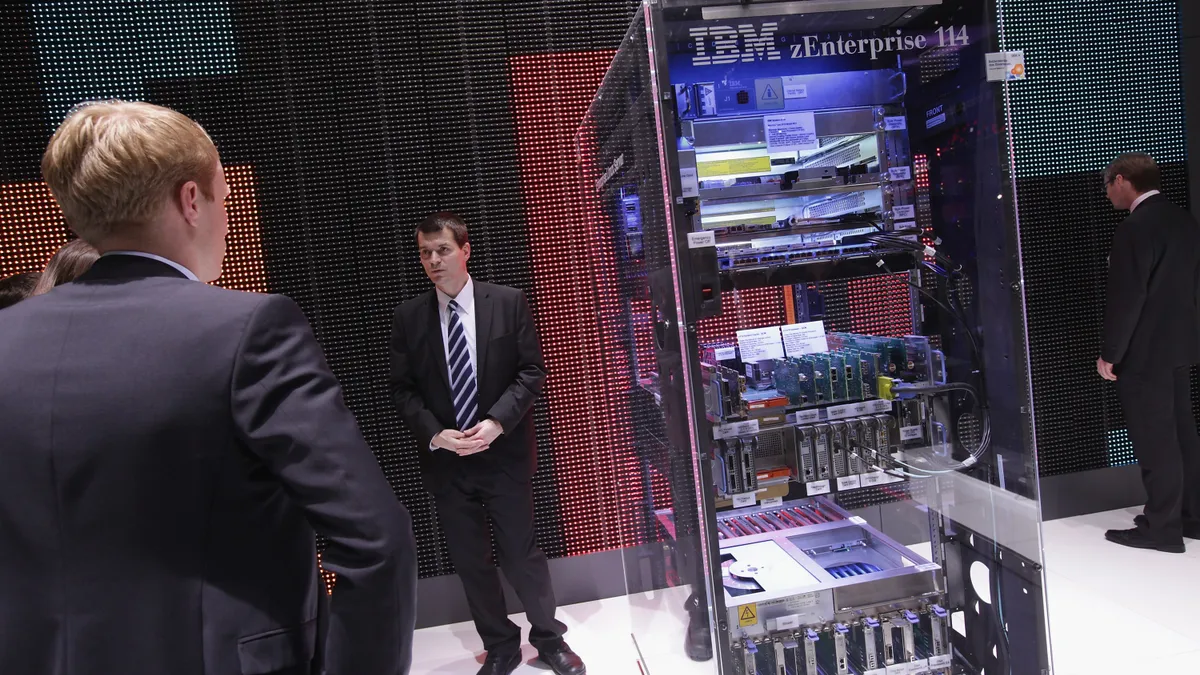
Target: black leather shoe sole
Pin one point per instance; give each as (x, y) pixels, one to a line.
(1132, 539)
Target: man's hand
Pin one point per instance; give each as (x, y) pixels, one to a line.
(1106, 370)
(486, 432)
(458, 442)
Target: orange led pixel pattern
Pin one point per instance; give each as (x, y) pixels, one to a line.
(574, 272)
(32, 229)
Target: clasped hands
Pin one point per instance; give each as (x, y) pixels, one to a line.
(476, 439)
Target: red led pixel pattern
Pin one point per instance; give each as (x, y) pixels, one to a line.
(32, 229)
(740, 310)
(880, 305)
(574, 277)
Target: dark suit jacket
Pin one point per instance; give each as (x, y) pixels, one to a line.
(510, 378)
(1152, 317)
(167, 451)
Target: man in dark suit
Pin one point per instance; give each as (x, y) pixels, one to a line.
(466, 370)
(1151, 339)
(169, 450)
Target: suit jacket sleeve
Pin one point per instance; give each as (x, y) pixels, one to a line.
(519, 397)
(409, 401)
(289, 410)
(1129, 266)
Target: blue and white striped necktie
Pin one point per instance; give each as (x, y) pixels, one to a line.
(462, 375)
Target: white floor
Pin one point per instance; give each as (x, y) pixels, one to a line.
(1112, 610)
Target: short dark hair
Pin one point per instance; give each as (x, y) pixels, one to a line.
(434, 223)
(1138, 168)
(17, 287)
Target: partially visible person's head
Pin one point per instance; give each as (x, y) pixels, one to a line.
(17, 287)
(73, 259)
(1128, 177)
(445, 248)
(142, 177)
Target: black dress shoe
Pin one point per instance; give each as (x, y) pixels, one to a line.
(697, 643)
(1135, 538)
(500, 663)
(563, 661)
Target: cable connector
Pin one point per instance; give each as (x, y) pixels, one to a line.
(884, 385)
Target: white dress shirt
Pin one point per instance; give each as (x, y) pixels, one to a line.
(185, 271)
(466, 316)
(1143, 198)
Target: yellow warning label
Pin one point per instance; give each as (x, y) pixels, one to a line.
(748, 615)
(734, 167)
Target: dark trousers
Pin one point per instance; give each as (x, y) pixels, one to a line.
(465, 504)
(1162, 428)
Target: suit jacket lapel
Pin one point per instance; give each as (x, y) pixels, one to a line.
(483, 326)
(437, 347)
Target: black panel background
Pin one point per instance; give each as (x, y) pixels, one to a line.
(360, 118)
(1067, 227)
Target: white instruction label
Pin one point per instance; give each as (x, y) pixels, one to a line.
(817, 487)
(772, 502)
(725, 353)
(806, 416)
(802, 601)
(848, 483)
(880, 671)
(900, 173)
(840, 412)
(907, 211)
(914, 433)
(898, 669)
(760, 344)
(791, 132)
(735, 429)
(895, 123)
(701, 239)
(786, 622)
(793, 87)
(743, 500)
(942, 661)
(928, 567)
(858, 520)
(880, 405)
(1005, 66)
(689, 180)
(804, 338)
(918, 667)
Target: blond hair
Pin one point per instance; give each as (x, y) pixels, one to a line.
(112, 164)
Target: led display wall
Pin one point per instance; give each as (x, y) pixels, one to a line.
(341, 124)
(1103, 80)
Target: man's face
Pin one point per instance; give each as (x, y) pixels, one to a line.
(213, 221)
(444, 260)
(1120, 192)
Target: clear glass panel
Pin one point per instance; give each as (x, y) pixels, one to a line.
(817, 297)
